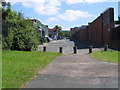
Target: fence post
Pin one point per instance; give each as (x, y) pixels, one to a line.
(44, 49)
(106, 48)
(75, 49)
(90, 49)
(60, 49)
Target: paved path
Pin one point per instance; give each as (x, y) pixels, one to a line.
(76, 71)
(54, 46)
(68, 46)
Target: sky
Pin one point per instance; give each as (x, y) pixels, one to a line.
(65, 13)
(119, 9)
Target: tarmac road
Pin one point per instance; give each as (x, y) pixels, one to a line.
(75, 71)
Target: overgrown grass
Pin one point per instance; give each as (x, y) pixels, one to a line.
(19, 66)
(108, 56)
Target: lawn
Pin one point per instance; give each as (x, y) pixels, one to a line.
(18, 67)
(108, 56)
(0, 66)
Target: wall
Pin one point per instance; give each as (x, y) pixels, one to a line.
(95, 30)
(100, 30)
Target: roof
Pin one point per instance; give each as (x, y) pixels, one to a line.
(51, 29)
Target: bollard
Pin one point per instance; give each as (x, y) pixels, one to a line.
(75, 49)
(60, 49)
(90, 49)
(106, 48)
(44, 48)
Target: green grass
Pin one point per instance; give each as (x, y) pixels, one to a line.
(19, 66)
(0, 66)
(108, 56)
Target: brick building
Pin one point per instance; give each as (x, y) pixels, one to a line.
(100, 30)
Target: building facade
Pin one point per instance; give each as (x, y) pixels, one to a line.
(43, 29)
(100, 30)
(53, 33)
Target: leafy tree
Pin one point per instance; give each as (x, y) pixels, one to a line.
(58, 28)
(18, 33)
(9, 4)
(4, 4)
(66, 34)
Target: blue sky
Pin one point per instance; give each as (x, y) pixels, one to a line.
(66, 13)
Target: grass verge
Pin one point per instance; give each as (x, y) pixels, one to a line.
(108, 56)
(19, 66)
(0, 66)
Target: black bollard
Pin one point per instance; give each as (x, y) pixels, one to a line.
(90, 49)
(44, 48)
(106, 48)
(60, 49)
(75, 49)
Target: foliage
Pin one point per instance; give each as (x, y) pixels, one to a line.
(59, 28)
(108, 56)
(18, 33)
(20, 66)
(62, 33)
(66, 34)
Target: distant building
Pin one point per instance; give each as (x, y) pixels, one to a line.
(76, 29)
(43, 29)
(103, 30)
(53, 33)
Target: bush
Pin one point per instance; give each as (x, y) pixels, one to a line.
(19, 33)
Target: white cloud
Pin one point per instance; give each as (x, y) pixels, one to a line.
(66, 29)
(69, 15)
(52, 19)
(51, 7)
(72, 15)
(88, 1)
(42, 7)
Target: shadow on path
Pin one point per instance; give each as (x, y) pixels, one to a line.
(85, 44)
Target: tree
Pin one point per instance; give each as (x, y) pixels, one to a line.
(66, 34)
(20, 15)
(9, 4)
(4, 4)
(18, 33)
(58, 28)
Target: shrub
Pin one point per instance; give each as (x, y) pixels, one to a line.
(18, 33)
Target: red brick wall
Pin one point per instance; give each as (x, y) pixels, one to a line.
(107, 33)
(83, 34)
(99, 30)
(96, 30)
